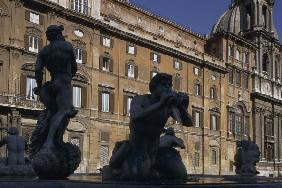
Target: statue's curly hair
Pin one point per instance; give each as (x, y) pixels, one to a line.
(157, 79)
(54, 32)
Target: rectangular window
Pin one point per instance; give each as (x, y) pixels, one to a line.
(198, 89)
(106, 41)
(212, 93)
(230, 76)
(197, 159)
(131, 49)
(155, 57)
(106, 64)
(104, 136)
(213, 122)
(76, 96)
(33, 44)
(213, 157)
(238, 78)
(105, 102)
(231, 122)
(129, 100)
(130, 71)
(196, 71)
(245, 82)
(30, 85)
(237, 55)
(177, 65)
(34, 18)
(197, 119)
(80, 6)
(78, 55)
(104, 155)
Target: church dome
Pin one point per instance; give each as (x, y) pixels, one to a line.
(234, 20)
(229, 21)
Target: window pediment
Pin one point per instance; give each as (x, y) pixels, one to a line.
(33, 31)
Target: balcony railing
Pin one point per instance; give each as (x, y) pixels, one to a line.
(80, 6)
(19, 101)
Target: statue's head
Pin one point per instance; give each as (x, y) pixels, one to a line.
(170, 131)
(54, 32)
(160, 82)
(13, 131)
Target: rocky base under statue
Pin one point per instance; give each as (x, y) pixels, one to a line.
(52, 163)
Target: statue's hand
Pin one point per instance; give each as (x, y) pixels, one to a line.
(37, 90)
(167, 96)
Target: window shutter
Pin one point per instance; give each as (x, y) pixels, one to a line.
(125, 104)
(173, 64)
(200, 72)
(211, 128)
(135, 50)
(99, 100)
(27, 15)
(112, 43)
(136, 72)
(127, 47)
(101, 40)
(180, 66)
(159, 58)
(84, 56)
(26, 42)
(40, 44)
(126, 69)
(152, 56)
(41, 19)
(201, 119)
(23, 85)
(194, 117)
(111, 65)
(217, 122)
(112, 102)
(101, 62)
(215, 93)
(84, 97)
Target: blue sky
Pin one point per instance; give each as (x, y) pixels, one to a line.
(199, 15)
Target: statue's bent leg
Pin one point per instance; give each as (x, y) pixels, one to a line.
(64, 103)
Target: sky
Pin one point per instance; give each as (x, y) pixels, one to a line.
(198, 15)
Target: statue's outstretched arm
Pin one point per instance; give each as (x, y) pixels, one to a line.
(137, 112)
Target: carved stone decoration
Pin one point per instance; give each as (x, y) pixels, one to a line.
(246, 157)
(18, 3)
(52, 158)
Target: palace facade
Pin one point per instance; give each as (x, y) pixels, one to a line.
(233, 77)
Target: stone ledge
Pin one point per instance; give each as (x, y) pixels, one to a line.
(87, 184)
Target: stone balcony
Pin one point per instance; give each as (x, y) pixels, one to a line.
(17, 101)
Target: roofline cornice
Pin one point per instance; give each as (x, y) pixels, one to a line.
(97, 24)
(159, 18)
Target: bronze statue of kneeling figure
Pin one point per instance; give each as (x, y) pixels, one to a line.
(142, 157)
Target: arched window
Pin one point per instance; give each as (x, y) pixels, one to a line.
(248, 17)
(238, 122)
(264, 16)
